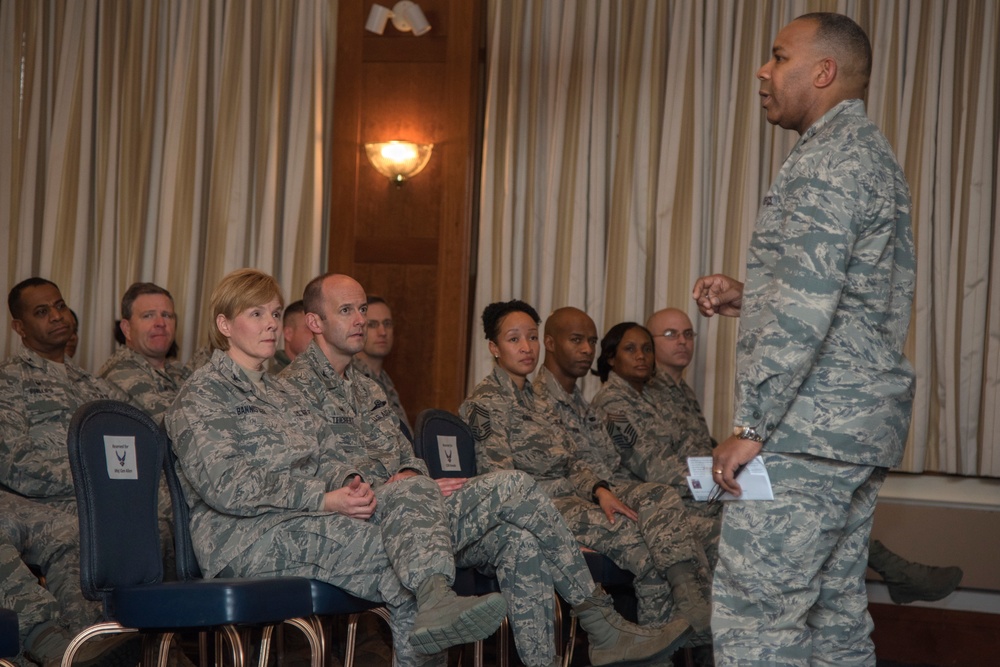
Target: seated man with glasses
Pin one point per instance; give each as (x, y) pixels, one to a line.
(673, 344)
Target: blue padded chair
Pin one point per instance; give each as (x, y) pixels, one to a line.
(442, 461)
(327, 599)
(116, 454)
(10, 643)
(434, 430)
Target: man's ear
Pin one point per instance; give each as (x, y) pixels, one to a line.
(826, 73)
(126, 328)
(550, 343)
(314, 323)
(18, 327)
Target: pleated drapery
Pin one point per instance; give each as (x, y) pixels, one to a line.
(626, 154)
(166, 140)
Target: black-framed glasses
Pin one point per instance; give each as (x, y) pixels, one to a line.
(674, 334)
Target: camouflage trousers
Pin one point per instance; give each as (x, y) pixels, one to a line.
(41, 536)
(647, 548)
(327, 548)
(789, 588)
(504, 525)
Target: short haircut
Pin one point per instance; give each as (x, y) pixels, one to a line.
(496, 311)
(312, 296)
(241, 289)
(291, 309)
(377, 299)
(136, 290)
(846, 39)
(14, 304)
(609, 346)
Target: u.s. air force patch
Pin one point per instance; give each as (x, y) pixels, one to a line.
(479, 422)
(621, 431)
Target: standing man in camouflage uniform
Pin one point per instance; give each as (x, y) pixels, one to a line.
(371, 360)
(823, 391)
(674, 335)
(501, 522)
(39, 392)
(141, 368)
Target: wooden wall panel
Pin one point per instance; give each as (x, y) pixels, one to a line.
(411, 244)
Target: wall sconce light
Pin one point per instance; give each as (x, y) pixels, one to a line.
(405, 16)
(398, 160)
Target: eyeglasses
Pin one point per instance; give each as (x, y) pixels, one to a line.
(673, 334)
(375, 324)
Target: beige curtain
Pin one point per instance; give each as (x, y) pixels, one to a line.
(625, 154)
(164, 140)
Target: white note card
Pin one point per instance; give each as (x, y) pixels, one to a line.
(753, 480)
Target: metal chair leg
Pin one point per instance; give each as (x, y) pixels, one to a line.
(315, 643)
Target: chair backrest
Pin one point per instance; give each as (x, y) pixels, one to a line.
(116, 454)
(445, 443)
(187, 562)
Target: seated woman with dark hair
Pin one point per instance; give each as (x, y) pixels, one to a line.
(512, 432)
(646, 440)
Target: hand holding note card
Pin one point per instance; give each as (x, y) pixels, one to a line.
(753, 479)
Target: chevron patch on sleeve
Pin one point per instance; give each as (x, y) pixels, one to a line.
(621, 431)
(479, 422)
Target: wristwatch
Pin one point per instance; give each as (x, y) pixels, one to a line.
(748, 433)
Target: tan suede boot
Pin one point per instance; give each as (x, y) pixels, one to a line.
(613, 639)
(444, 619)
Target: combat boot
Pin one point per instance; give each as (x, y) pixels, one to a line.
(444, 619)
(689, 591)
(908, 581)
(613, 639)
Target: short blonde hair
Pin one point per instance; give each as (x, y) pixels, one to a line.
(241, 289)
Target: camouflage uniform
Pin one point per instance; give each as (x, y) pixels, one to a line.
(47, 538)
(821, 374)
(255, 465)
(37, 401)
(652, 446)
(696, 536)
(279, 362)
(678, 404)
(500, 523)
(200, 357)
(511, 434)
(149, 388)
(385, 382)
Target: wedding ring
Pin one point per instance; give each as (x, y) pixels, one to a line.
(717, 472)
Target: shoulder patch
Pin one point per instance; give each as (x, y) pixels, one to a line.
(479, 422)
(621, 432)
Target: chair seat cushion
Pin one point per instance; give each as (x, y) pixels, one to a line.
(328, 599)
(9, 643)
(210, 602)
